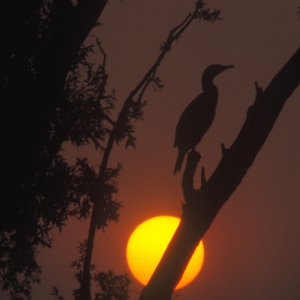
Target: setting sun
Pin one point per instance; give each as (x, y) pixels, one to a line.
(147, 244)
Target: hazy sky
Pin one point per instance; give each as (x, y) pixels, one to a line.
(252, 248)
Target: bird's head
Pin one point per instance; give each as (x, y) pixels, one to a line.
(211, 72)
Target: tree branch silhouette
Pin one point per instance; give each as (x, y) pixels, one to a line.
(202, 205)
(122, 127)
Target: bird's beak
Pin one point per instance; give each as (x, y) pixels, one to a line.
(228, 67)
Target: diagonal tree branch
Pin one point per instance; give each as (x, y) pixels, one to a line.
(201, 206)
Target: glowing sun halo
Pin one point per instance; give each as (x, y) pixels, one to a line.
(147, 244)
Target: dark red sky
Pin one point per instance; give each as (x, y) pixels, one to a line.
(252, 248)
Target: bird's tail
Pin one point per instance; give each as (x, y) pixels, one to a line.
(179, 162)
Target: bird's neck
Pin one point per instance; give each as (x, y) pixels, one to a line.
(208, 86)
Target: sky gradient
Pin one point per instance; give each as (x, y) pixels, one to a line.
(252, 248)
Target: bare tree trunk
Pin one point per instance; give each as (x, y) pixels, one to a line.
(201, 206)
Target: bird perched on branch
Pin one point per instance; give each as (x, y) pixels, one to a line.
(198, 115)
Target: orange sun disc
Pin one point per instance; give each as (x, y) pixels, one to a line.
(148, 243)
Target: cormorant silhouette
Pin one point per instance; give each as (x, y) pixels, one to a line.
(198, 115)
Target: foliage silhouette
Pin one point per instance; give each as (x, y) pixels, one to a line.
(40, 190)
(111, 286)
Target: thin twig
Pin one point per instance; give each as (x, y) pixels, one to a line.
(150, 79)
(166, 48)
